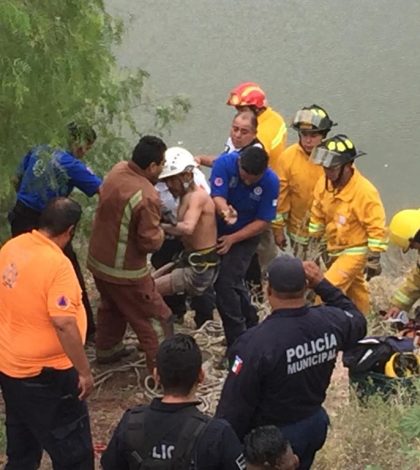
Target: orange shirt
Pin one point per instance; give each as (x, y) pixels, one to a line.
(37, 282)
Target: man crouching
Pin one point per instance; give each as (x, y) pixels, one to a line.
(197, 268)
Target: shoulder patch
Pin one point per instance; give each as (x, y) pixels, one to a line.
(9, 276)
(237, 365)
(218, 181)
(63, 302)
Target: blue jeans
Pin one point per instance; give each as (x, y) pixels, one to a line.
(232, 297)
(307, 436)
(44, 412)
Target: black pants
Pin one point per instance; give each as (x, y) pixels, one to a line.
(24, 219)
(44, 413)
(253, 274)
(202, 304)
(232, 297)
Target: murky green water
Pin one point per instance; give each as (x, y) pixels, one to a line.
(358, 59)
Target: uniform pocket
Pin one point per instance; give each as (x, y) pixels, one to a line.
(71, 444)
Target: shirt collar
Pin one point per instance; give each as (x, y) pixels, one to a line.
(157, 405)
(288, 312)
(42, 238)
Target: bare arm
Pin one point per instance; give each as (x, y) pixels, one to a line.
(225, 211)
(205, 160)
(221, 205)
(71, 341)
(191, 217)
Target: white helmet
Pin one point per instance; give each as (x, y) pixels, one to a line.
(177, 160)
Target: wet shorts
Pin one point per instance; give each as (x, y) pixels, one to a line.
(191, 281)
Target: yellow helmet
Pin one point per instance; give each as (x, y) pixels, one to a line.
(404, 226)
(403, 365)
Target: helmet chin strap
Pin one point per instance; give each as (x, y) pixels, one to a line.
(187, 184)
(335, 184)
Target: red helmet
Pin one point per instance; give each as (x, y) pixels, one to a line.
(247, 94)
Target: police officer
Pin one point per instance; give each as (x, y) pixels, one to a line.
(245, 193)
(171, 432)
(282, 368)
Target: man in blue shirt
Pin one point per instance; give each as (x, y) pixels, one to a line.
(45, 173)
(245, 193)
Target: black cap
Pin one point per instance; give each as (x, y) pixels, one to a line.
(286, 274)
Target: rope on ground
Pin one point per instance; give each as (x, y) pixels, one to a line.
(211, 340)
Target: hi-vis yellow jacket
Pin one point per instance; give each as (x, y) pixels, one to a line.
(272, 133)
(352, 219)
(298, 176)
(409, 291)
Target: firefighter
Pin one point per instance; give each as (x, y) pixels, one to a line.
(348, 211)
(298, 176)
(272, 130)
(125, 230)
(404, 231)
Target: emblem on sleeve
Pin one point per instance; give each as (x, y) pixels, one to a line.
(63, 302)
(218, 181)
(237, 365)
(10, 276)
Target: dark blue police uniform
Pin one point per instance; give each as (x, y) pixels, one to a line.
(217, 448)
(255, 202)
(282, 368)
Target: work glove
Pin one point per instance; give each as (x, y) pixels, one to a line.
(373, 265)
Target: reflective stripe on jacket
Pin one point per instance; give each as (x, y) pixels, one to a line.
(126, 226)
(353, 219)
(272, 133)
(409, 291)
(298, 176)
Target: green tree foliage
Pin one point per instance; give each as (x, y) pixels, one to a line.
(57, 65)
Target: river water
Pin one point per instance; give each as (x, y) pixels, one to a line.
(358, 59)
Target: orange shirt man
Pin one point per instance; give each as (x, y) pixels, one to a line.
(38, 283)
(44, 372)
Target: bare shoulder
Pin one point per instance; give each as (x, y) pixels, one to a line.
(200, 196)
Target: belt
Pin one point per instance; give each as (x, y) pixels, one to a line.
(204, 259)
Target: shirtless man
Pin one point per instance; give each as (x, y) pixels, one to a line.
(197, 268)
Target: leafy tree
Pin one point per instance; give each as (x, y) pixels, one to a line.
(57, 65)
